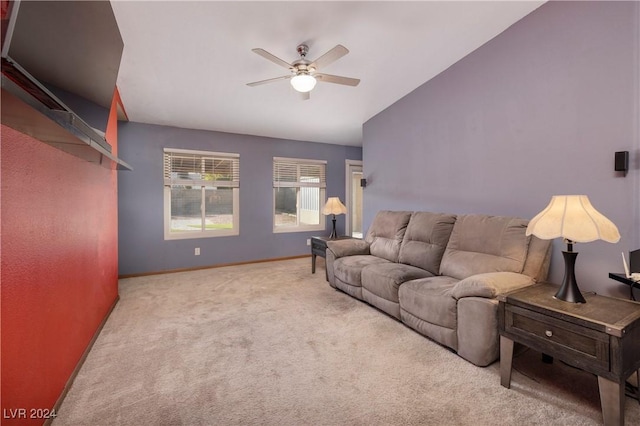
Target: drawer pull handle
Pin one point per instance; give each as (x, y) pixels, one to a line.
(548, 333)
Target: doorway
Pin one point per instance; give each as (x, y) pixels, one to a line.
(354, 195)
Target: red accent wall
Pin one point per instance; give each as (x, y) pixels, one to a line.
(59, 266)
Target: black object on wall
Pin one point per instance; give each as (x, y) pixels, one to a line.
(634, 261)
(363, 183)
(622, 161)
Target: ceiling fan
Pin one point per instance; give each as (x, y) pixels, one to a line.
(304, 73)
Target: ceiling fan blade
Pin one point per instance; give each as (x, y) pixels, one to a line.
(272, 58)
(258, 83)
(331, 56)
(328, 78)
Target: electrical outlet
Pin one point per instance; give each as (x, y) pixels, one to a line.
(197, 252)
(308, 241)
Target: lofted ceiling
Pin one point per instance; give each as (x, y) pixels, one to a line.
(186, 64)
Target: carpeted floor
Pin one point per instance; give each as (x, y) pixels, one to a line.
(271, 344)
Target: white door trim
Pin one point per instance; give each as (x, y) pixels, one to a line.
(347, 192)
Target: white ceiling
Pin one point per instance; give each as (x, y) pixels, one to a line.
(186, 64)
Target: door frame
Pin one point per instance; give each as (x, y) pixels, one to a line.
(347, 191)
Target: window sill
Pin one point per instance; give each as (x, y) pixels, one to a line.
(286, 230)
(193, 235)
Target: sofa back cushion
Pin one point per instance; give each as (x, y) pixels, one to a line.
(481, 244)
(426, 239)
(386, 232)
(538, 259)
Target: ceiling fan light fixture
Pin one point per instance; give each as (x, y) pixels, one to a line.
(303, 82)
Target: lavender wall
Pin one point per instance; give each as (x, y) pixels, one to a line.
(537, 111)
(140, 198)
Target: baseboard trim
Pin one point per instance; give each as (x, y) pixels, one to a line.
(80, 363)
(220, 265)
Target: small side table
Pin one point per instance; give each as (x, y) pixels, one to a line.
(319, 248)
(624, 280)
(600, 337)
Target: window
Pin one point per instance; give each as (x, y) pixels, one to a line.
(200, 194)
(298, 194)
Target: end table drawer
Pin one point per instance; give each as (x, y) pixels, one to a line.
(583, 346)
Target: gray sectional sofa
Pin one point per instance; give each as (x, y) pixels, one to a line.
(440, 273)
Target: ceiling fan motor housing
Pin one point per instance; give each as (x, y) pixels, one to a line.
(303, 49)
(301, 66)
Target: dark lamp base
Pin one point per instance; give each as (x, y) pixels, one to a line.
(333, 232)
(569, 291)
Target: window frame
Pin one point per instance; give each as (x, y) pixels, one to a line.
(234, 184)
(322, 195)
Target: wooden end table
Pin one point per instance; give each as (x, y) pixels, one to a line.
(601, 336)
(319, 248)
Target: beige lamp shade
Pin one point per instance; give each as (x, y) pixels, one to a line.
(573, 218)
(334, 206)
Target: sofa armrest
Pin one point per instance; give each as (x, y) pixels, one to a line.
(491, 284)
(342, 248)
(349, 247)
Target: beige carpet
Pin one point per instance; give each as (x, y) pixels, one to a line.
(271, 344)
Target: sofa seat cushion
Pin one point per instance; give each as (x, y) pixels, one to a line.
(430, 300)
(384, 279)
(349, 269)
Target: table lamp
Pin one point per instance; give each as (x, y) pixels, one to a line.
(334, 207)
(573, 218)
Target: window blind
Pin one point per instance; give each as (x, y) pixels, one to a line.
(197, 168)
(294, 173)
